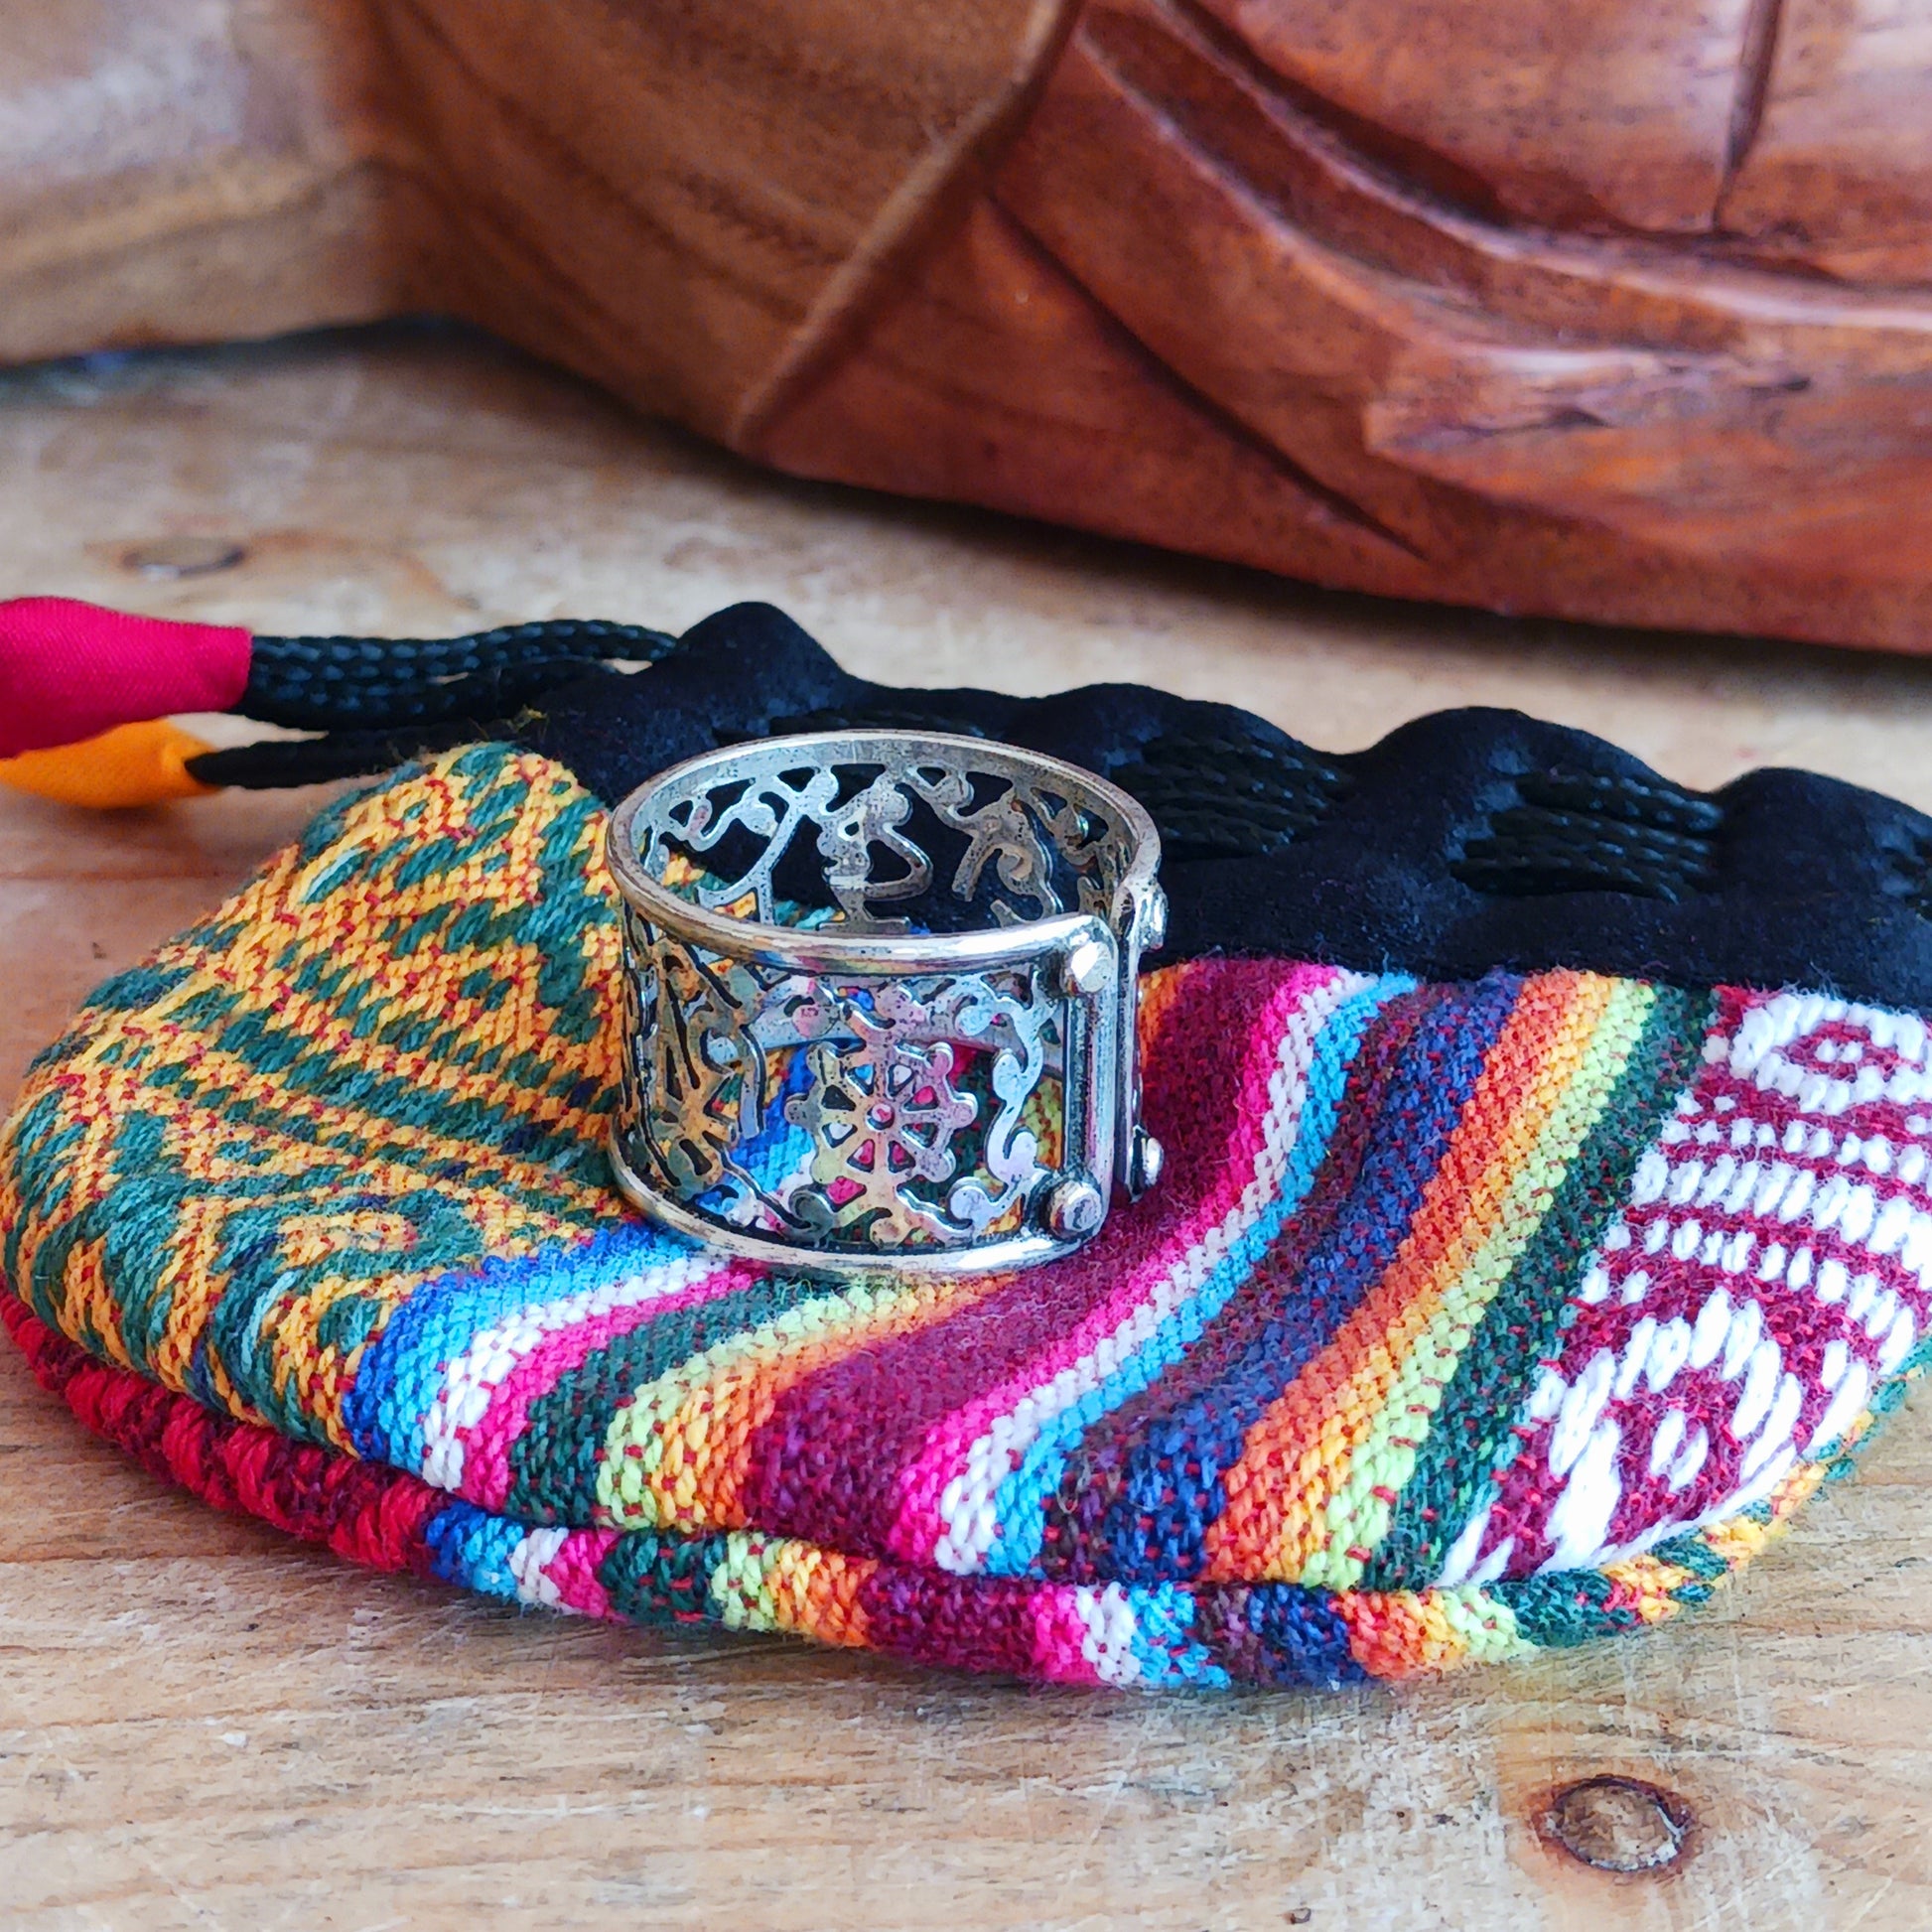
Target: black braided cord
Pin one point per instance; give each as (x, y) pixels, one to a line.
(1228, 796)
(277, 763)
(1210, 794)
(371, 684)
(1234, 793)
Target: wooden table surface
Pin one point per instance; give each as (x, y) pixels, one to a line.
(202, 1726)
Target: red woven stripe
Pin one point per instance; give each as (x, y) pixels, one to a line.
(371, 1515)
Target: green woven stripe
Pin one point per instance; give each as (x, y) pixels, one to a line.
(660, 1580)
(543, 1153)
(1566, 1610)
(1469, 1440)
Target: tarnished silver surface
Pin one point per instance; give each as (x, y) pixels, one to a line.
(880, 996)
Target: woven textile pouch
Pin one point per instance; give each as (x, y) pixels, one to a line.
(1547, 1211)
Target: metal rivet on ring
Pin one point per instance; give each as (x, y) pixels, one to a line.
(1087, 969)
(1145, 1163)
(1154, 919)
(1074, 1208)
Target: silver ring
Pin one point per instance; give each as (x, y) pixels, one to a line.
(907, 1041)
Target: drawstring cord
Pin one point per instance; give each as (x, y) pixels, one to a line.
(85, 694)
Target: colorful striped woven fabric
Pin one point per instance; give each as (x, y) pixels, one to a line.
(1467, 1318)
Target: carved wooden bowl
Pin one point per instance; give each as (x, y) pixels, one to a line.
(1610, 308)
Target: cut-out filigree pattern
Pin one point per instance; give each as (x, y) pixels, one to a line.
(696, 1071)
(1040, 845)
(881, 1107)
(881, 1118)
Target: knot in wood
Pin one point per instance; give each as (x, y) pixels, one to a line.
(185, 556)
(1618, 1824)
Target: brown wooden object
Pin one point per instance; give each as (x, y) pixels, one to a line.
(1608, 309)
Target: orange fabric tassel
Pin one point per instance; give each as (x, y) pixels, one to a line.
(133, 765)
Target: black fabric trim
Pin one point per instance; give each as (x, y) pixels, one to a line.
(1461, 842)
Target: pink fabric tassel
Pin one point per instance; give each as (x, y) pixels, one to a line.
(71, 670)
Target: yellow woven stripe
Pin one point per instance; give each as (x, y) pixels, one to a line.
(116, 1070)
(1740, 1538)
(1485, 1627)
(1401, 1633)
(1581, 1083)
(482, 996)
(91, 1305)
(1646, 1584)
(292, 913)
(209, 1151)
(191, 1282)
(770, 1582)
(259, 983)
(87, 1303)
(285, 927)
(1651, 1583)
(333, 1132)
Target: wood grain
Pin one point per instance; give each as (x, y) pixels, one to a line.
(995, 377)
(1591, 308)
(1838, 176)
(682, 202)
(1595, 426)
(191, 170)
(1571, 113)
(203, 1726)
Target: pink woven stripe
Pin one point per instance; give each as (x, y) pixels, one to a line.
(572, 1572)
(826, 1464)
(1059, 1637)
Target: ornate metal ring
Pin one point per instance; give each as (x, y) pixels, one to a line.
(880, 996)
